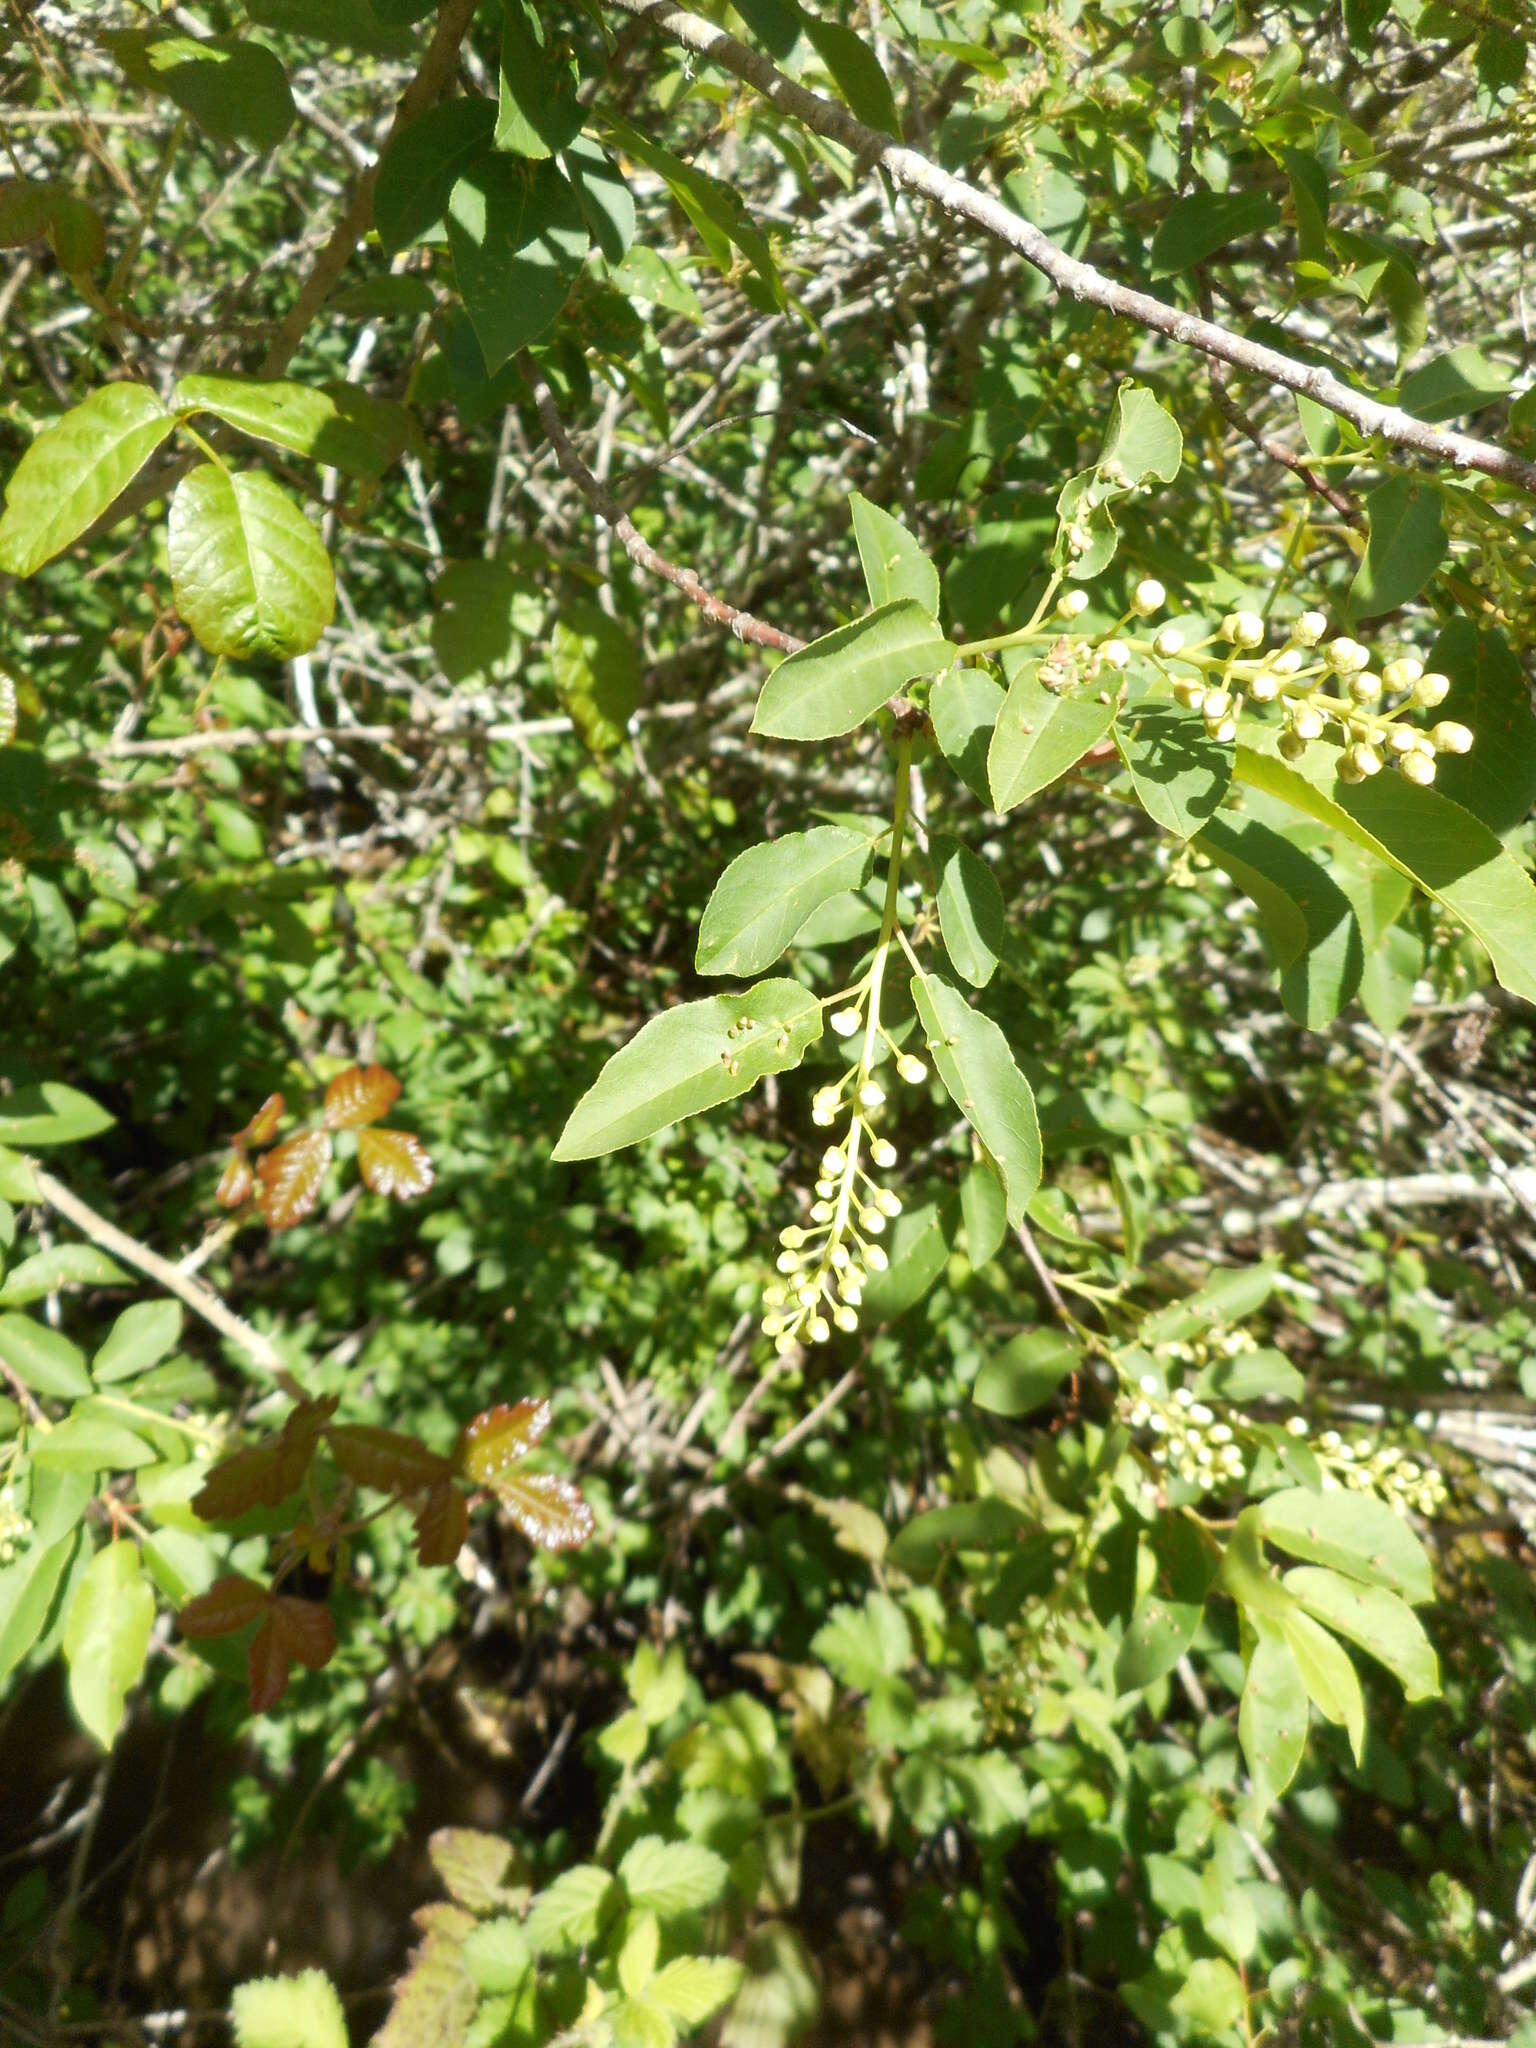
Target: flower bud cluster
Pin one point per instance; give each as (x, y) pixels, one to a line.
(1188, 1437)
(1366, 1463)
(15, 1525)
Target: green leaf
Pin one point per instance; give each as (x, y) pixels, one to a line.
(1229, 1296)
(717, 212)
(568, 1913)
(1179, 773)
(1489, 695)
(636, 1964)
(1040, 735)
(768, 892)
(88, 1441)
(669, 1878)
(976, 1066)
(250, 574)
(288, 2012)
(139, 1339)
(606, 200)
(1390, 978)
(235, 91)
(1407, 544)
(693, 1987)
(539, 112)
(28, 1589)
(837, 682)
(106, 1637)
(1195, 227)
(1164, 1622)
(1211, 1997)
(43, 1359)
(75, 470)
(418, 171)
(50, 1114)
(1451, 855)
(983, 1211)
(690, 1059)
(1272, 1718)
(918, 1250)
(482, 615)
(498, 1955)
(1143, 444)
(855, 71)
(1353, 1533)
(1332, 1683)
(964, 707)
(1453, 385)
(1382, 1624)
(894, 565)
(62, 1265)
(1026, 1372)
(928, 1539)
(1259, 1375)
(596, 673)
(519, 239)
(972, 919)
(336, 424)
(862, 1645)
(1308, 924)
(31, 208)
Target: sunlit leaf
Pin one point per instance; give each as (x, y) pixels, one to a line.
(359, 1096)
(290, 1176)
(74, 470)
(263, 1126)
(548, 1509)
(843, 678)
(497, 1441)
(386, 1459)
(250, 574)
(106, 1637)
(229, 1605)
(394, 1163)
(237, 1183)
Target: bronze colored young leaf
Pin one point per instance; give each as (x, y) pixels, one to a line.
(549, 1510)
(269, 1664)
(442, 1523)
(385, 1459)
(268, 1472)
(306, 1629)
(236, 1183)
(359, 1096)
(394, 1163)
(229, 1605)
(262, 1127)
(495, 1442)
(290, 1176)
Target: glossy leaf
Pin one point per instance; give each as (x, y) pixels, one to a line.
(334, 424)
(1383, 1625)
(237, 1183)
(106, 1638)
(1039, 736)
(1406, 545)
(418, 171)
(60, 1266)
(74, 471)
(263, 1126)
(690, 1059)
(250, 574)
(359, 1096)
(265, 1474)
(43, 1359)
(1179, 773)
(976, 1066)
(1331, 1680)
(289, 1178)
(1272, 1718)
(385, 1459)
(394, 1163)
(964, 707)
(496, 1442)
(972, 918)
(139, 1339)
(1353, 1533)
(519, 238)
(548, 1509)
(768, 892)
(229, 1605)
(837, 682)
(294, 1632)
(894, 565)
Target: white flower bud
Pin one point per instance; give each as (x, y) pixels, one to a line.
(876, 1257)
(1451, 738)
(883, 1152)
(1365, 688)
(888, 1202)
(1346, 657)
(844, 1317)
(1190, 692)
(911, 1069)
(808, 1294)
(792, 1236)
(1217, 704)
(1148, 597)
(853, 1295)
(824, 1190)
(1243, 629)
(844, 1022)
(1402, 739)
(1168, 641)
(1418, 768)
(818, 1329)
(1309, 629)
(1307, 722)
(871, 1095)
(1431, 689)
(1223, 733)
(1296, 1426)
(1115, 654)
(872, 1221)
(774, 1294)
(1286, 662)
(1148, 1383)
(821, 1212)
(1292, 746)
(1264, 688)
(1403, 673)
(1072, 603)
(839, 1256)
(833, 1160)
(823, 1110)
(784, 1345)
(772, 1325)
(787, 1262)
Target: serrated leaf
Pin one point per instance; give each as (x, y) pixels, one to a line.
(263, 1126)
(768, 892)
(43, 1359)
(139, 1339)
(894, 565)
(267, 1473)
(498, 1955)
(965, 706)
(1383, 1625)
(334, 424)
(386, 1459)
(61, 1265)
(421, 166)
(435, 2000)
(1039, 736)
(235, 90)
(302, 2011)
(690, 1059)
(442, 1524)
(106, 1638)
(472, 1866)
(498, 1440)
(692, 1988)
(636, 1964)
(549, 1509)
(394, 1163)
(229, 1605)
(359, 1096)
(289, 1178)
(669, 1878)
(837, 682)
(250, 574)
(569, 1912)
(294, 1632)
(1353, 1533)
(74, 470)
(519, 239)
(972, 920)
(973, 1061)
(862, 1645)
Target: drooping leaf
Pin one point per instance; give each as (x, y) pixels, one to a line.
(894, 565)
(606, 199)
(1272, 1718)
(1332, 1683)
(335, 424)
(918, 1250)
(442, 1524)
(234, 89)
(1165, 1619)
(250, 574)
(965, 706)
(1353, 1533)
(972, 920)
(421, 166)
(394, 1163)
(265, 1474)
(1040, 735)
(519, 238)
(690, 1059)
(30, 1585)
(717, 212)
(539, 112)
(768, 892)
(237, 1183)
(74, 471)
(975, 1065)
(837, 682)
(359, 1096)
(289, 1178)
(1383, 1625)
(302, 2011)
(263, 1126)
(106, 1638)
(855, 71)
(31, 208)
(1406, 545)
(984, 1212)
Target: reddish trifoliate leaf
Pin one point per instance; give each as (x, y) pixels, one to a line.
(236, 1183)
(229, 1605)
(385, 1459)
(306, 1629)
(549, 1510)
(499, 1439)
(394, 1163)
(359, 1096)
(442, 1523)
(267, 1473)
(269, 1664)
(290, 1176)
(262, 1127)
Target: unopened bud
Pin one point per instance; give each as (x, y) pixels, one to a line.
(871, 1095)
(1286, 662)
(1451, 738)
(883, 1152)
(833, 1160)
(1307, 722)
(844, 1317)
(1292, 745)
(1115, 654)
(1365, 758)
(844, 1022)
(1072, 603)
(911, 1069)
(1365, 688)
(1432, 689)
(1346, 656)
(1189, 692)
(1309, 629)
(1403, 673)
(876, 1258)
(1418, 769)
(1168, 641)
(1264, 688)
(818, 1329)
(1243, 629)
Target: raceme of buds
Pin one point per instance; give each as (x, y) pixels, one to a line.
(1365, 1464)
(1187, 1437)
